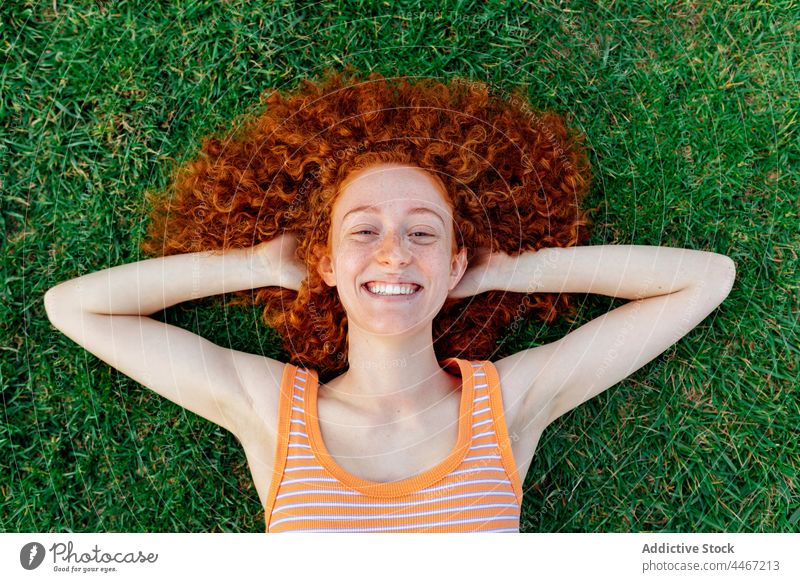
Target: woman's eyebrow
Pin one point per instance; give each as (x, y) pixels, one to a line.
(374, 210)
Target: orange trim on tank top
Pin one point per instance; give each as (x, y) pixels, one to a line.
(403, 486)
(503, 441)
(281, 447)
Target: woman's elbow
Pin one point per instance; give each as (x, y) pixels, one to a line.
(719, 278)
(57, 303)
(727, 273)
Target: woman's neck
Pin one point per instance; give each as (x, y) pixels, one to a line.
(392, 376)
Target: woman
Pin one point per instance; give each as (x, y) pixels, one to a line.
(400, 260)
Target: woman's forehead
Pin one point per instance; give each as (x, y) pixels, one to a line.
(385, 187)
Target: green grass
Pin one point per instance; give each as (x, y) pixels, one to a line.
(691, 115)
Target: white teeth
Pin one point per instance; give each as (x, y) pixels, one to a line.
(381, 289)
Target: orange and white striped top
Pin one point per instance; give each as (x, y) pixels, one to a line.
(475, 489)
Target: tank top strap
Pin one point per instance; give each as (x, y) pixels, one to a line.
(489, 428)
(291, 431)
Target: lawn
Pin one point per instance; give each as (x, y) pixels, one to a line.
(690, 113)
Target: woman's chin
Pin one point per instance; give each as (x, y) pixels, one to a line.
(391, 326)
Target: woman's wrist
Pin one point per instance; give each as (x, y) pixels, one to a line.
(263, 271)
(276, 264)
(516, 274)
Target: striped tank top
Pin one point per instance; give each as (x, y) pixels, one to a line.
(475, 489)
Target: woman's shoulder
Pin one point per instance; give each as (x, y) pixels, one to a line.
(261, 377)
(524, 398)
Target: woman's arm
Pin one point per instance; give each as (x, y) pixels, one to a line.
(106, 313)
(672, 290)
(625, 271)
(148, 286)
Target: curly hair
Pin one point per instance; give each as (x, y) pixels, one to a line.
(515, 179)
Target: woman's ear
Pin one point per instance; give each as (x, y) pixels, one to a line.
(458, 267)
(325, 267)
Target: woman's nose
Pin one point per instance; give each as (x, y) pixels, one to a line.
(394, 249)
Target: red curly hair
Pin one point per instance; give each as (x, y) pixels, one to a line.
(515, 179)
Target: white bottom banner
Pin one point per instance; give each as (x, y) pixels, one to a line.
(415, 557)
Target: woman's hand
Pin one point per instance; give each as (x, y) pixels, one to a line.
(483, 274)
(277, 256)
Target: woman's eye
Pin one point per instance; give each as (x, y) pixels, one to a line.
(417, 234)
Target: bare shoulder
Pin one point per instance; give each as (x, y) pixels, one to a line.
(260, 378)
(526, 398)
(527, 403)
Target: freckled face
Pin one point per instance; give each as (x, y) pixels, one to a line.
(392, 223)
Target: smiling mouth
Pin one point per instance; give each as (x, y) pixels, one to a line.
(417, 289)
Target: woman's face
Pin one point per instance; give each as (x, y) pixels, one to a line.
(392, 233)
